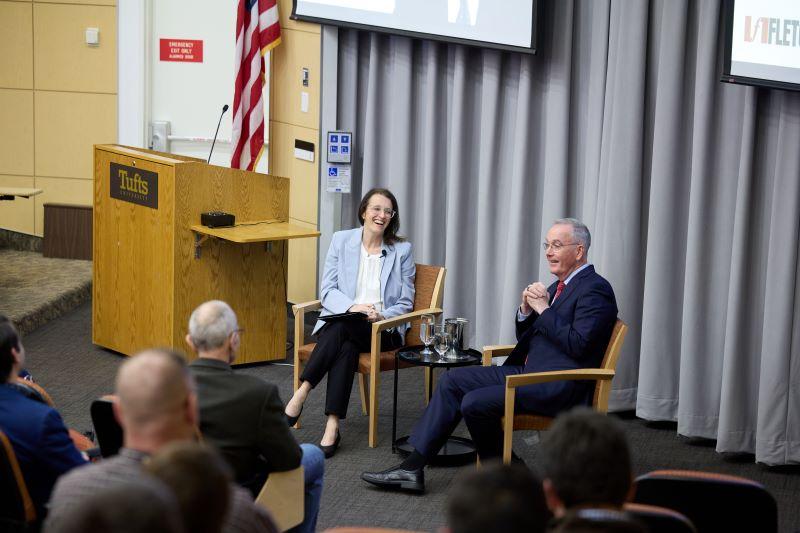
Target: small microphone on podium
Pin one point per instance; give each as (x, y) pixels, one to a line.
(224, 108)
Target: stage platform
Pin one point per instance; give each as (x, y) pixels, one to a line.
(35, 289)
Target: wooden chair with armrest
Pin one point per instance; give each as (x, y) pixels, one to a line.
(429, 290)
(603, 376)
(17, 511)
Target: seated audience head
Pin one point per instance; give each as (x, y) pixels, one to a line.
(200, 480)
(497, 498)
(378, 212)
(156, 403)
(12, 353)
(140, 505)
(214, 331)
(585, 462)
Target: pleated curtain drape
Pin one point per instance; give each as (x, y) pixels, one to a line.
(690, 186)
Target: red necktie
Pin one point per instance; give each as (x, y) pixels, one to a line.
(559, 288)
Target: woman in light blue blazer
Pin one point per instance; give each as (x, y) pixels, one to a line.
(369, 270)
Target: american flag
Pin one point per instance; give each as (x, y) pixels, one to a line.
(257, 32)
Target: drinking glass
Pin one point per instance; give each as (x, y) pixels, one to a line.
(426, 333)
(443, 341)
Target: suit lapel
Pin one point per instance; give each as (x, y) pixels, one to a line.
(571, 287)
(352, 258)
(386, 268)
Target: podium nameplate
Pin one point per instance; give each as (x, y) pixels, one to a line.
(131, 184)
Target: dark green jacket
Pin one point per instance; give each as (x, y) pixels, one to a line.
(242, 416)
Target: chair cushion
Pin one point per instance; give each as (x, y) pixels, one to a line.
(364, 362)
(532, 422)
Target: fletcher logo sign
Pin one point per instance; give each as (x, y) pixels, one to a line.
(131, 184)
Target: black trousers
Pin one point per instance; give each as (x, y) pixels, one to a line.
(336, 354)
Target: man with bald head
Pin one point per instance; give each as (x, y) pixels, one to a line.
(155, 405)
(242, 415)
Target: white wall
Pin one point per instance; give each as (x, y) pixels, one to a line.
(188, 95)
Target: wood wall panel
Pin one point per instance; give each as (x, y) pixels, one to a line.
(83, 2)
(303, 278)
(16, 45)
(303, 202)
(16, 132)
(17, 215)
(285, 10)
(298, 49)
(64, 62)
(67, 125)
(59, 190)
(67, 231)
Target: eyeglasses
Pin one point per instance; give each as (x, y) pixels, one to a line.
(557, 245)
(376, 210)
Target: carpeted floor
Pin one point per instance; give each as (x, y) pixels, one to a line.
(29, 281)
(63, 359)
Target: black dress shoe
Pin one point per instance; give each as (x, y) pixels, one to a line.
(292, 420)
(330, 450)
(397, 478)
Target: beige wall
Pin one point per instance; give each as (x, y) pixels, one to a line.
(300, 47)
(58, 97)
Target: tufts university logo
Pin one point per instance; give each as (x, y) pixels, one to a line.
(131, 184)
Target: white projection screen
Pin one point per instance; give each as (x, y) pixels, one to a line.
(763, 43)
(503, 24)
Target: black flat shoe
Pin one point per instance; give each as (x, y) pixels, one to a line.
(397, 478)
(292, 420)
(330, 450)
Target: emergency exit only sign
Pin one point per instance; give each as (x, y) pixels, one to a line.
(186, 50)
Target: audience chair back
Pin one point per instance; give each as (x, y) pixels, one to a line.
(283, 496)
(660, 519)
(602, 376)
(429, 291)
(713, 502)
(106, 428)
(16, 506)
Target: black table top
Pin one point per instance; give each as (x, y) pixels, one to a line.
(413, 356)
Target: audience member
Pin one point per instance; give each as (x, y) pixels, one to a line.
(139, 505)
(36, 432)
(585, 463)
(155, 405)
(241, 415)
(497, 499)
(596, 521)
(199, 478)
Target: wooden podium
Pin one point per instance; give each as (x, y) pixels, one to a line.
(153, 262)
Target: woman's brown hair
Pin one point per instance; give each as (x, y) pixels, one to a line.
(390, 234)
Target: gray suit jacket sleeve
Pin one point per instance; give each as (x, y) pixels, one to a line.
(275, 440)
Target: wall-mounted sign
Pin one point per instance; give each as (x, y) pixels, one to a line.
(340, 145)
(186, 50)
(131, 184)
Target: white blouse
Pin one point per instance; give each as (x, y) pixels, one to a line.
(368, 285)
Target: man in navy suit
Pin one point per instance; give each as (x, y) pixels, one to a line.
(565, 326)
(37, 434)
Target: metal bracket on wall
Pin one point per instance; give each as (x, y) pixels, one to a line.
(198, 243)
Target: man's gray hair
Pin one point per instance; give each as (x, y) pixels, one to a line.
(579, 231)
(211, 324)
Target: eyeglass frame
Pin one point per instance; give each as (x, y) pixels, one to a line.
(386, 211)
(556, 246)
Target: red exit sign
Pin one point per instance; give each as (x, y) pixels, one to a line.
(187, 50)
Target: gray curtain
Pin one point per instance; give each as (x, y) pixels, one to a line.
(691, 188)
